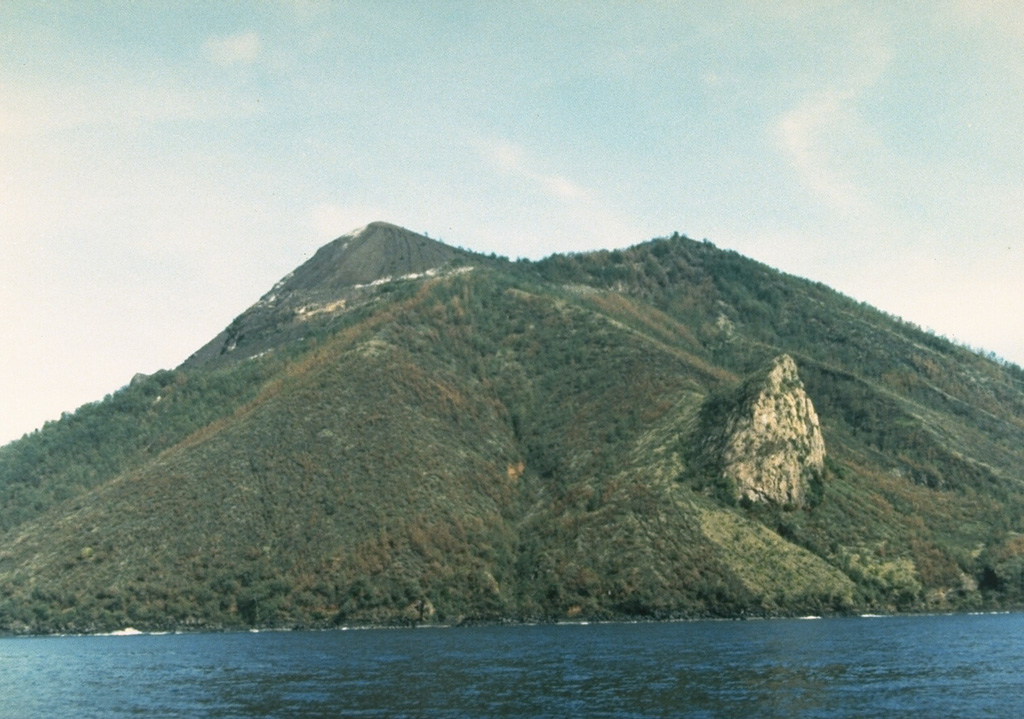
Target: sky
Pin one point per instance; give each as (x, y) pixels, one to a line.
(162, 164)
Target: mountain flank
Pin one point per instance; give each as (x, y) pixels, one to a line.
(403, 432)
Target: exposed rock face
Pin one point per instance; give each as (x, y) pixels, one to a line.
(771, 448)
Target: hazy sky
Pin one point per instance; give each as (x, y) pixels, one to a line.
(162, 164)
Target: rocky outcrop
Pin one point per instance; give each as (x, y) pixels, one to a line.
(763, 441)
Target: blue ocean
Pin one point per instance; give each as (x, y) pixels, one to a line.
(925, 666)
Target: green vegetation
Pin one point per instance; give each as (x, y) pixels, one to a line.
(86, 448)
(517, 440)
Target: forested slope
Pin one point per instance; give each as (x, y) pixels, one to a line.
(402, 431)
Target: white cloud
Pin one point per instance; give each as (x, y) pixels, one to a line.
(515, 159)
(563, 211)
(810, 135)
(823, 138)
(239, 49)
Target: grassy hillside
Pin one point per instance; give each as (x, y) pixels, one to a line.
(496, 440)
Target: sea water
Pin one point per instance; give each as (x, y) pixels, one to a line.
(929, 666)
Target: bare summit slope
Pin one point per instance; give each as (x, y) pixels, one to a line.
(379, 251)
(338, 276)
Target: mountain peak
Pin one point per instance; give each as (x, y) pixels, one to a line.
(327, 283)
(368, 254)
(376, 226)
